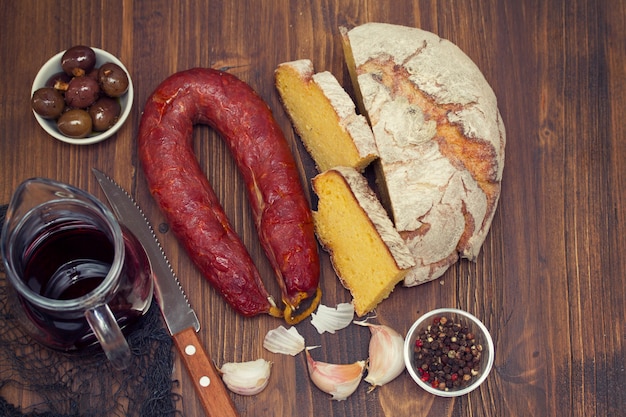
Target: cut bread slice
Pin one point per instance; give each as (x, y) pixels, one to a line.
(366, 251)
(324, 117)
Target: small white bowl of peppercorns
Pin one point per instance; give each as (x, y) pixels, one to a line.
(82, 95)
(448, 352)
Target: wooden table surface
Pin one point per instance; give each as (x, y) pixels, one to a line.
(550, 280)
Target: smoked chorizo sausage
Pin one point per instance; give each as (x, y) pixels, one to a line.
(281, 212)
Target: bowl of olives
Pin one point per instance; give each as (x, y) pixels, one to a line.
(82, 95)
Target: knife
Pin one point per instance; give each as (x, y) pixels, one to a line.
(180, 318)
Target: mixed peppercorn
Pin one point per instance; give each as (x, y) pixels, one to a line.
(447, 355)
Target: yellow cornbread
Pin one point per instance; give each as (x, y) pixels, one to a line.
(324, 116)
(366, 251)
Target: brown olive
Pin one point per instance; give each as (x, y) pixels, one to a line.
(59, 81)
(82, 92)
(78, 60)
(75, 123)
(113, 79)
(48, 102)
(104, 113)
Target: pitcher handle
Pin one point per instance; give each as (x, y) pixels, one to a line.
(108, 333)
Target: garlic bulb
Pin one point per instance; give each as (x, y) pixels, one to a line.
(338, 380)
(246, 378)
(329, 319)
(281, 340)
(386, 354)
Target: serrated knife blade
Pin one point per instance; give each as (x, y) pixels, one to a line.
(181, 320)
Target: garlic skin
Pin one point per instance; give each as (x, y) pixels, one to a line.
(246, 378)
(285, 341)
(340, 381)
(330, 320)
(386, 354)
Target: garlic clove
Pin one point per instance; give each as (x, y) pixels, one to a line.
(246, 378)
(338, 380)
(386, 354)
(329, 319)
(285, 341)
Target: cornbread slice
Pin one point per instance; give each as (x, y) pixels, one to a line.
(324, 116)
(440, 139)
(368, 254)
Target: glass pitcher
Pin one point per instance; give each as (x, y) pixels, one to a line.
(77, 277)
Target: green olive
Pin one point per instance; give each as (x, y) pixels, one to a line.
(75, 123)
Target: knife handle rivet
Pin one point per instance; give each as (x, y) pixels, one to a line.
(190, 350)
(205, 381)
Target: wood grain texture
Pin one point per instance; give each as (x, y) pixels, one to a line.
(550, 282)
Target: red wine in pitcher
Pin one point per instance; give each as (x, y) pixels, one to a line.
(72, 268)
(69, 263)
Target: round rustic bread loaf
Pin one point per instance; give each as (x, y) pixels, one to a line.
(440, 137)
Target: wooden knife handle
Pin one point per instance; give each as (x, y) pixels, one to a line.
(213, 395)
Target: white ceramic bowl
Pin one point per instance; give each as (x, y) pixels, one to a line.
(52, 67)
(458, 316)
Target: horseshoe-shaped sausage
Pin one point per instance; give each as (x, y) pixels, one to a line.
(281, 212)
